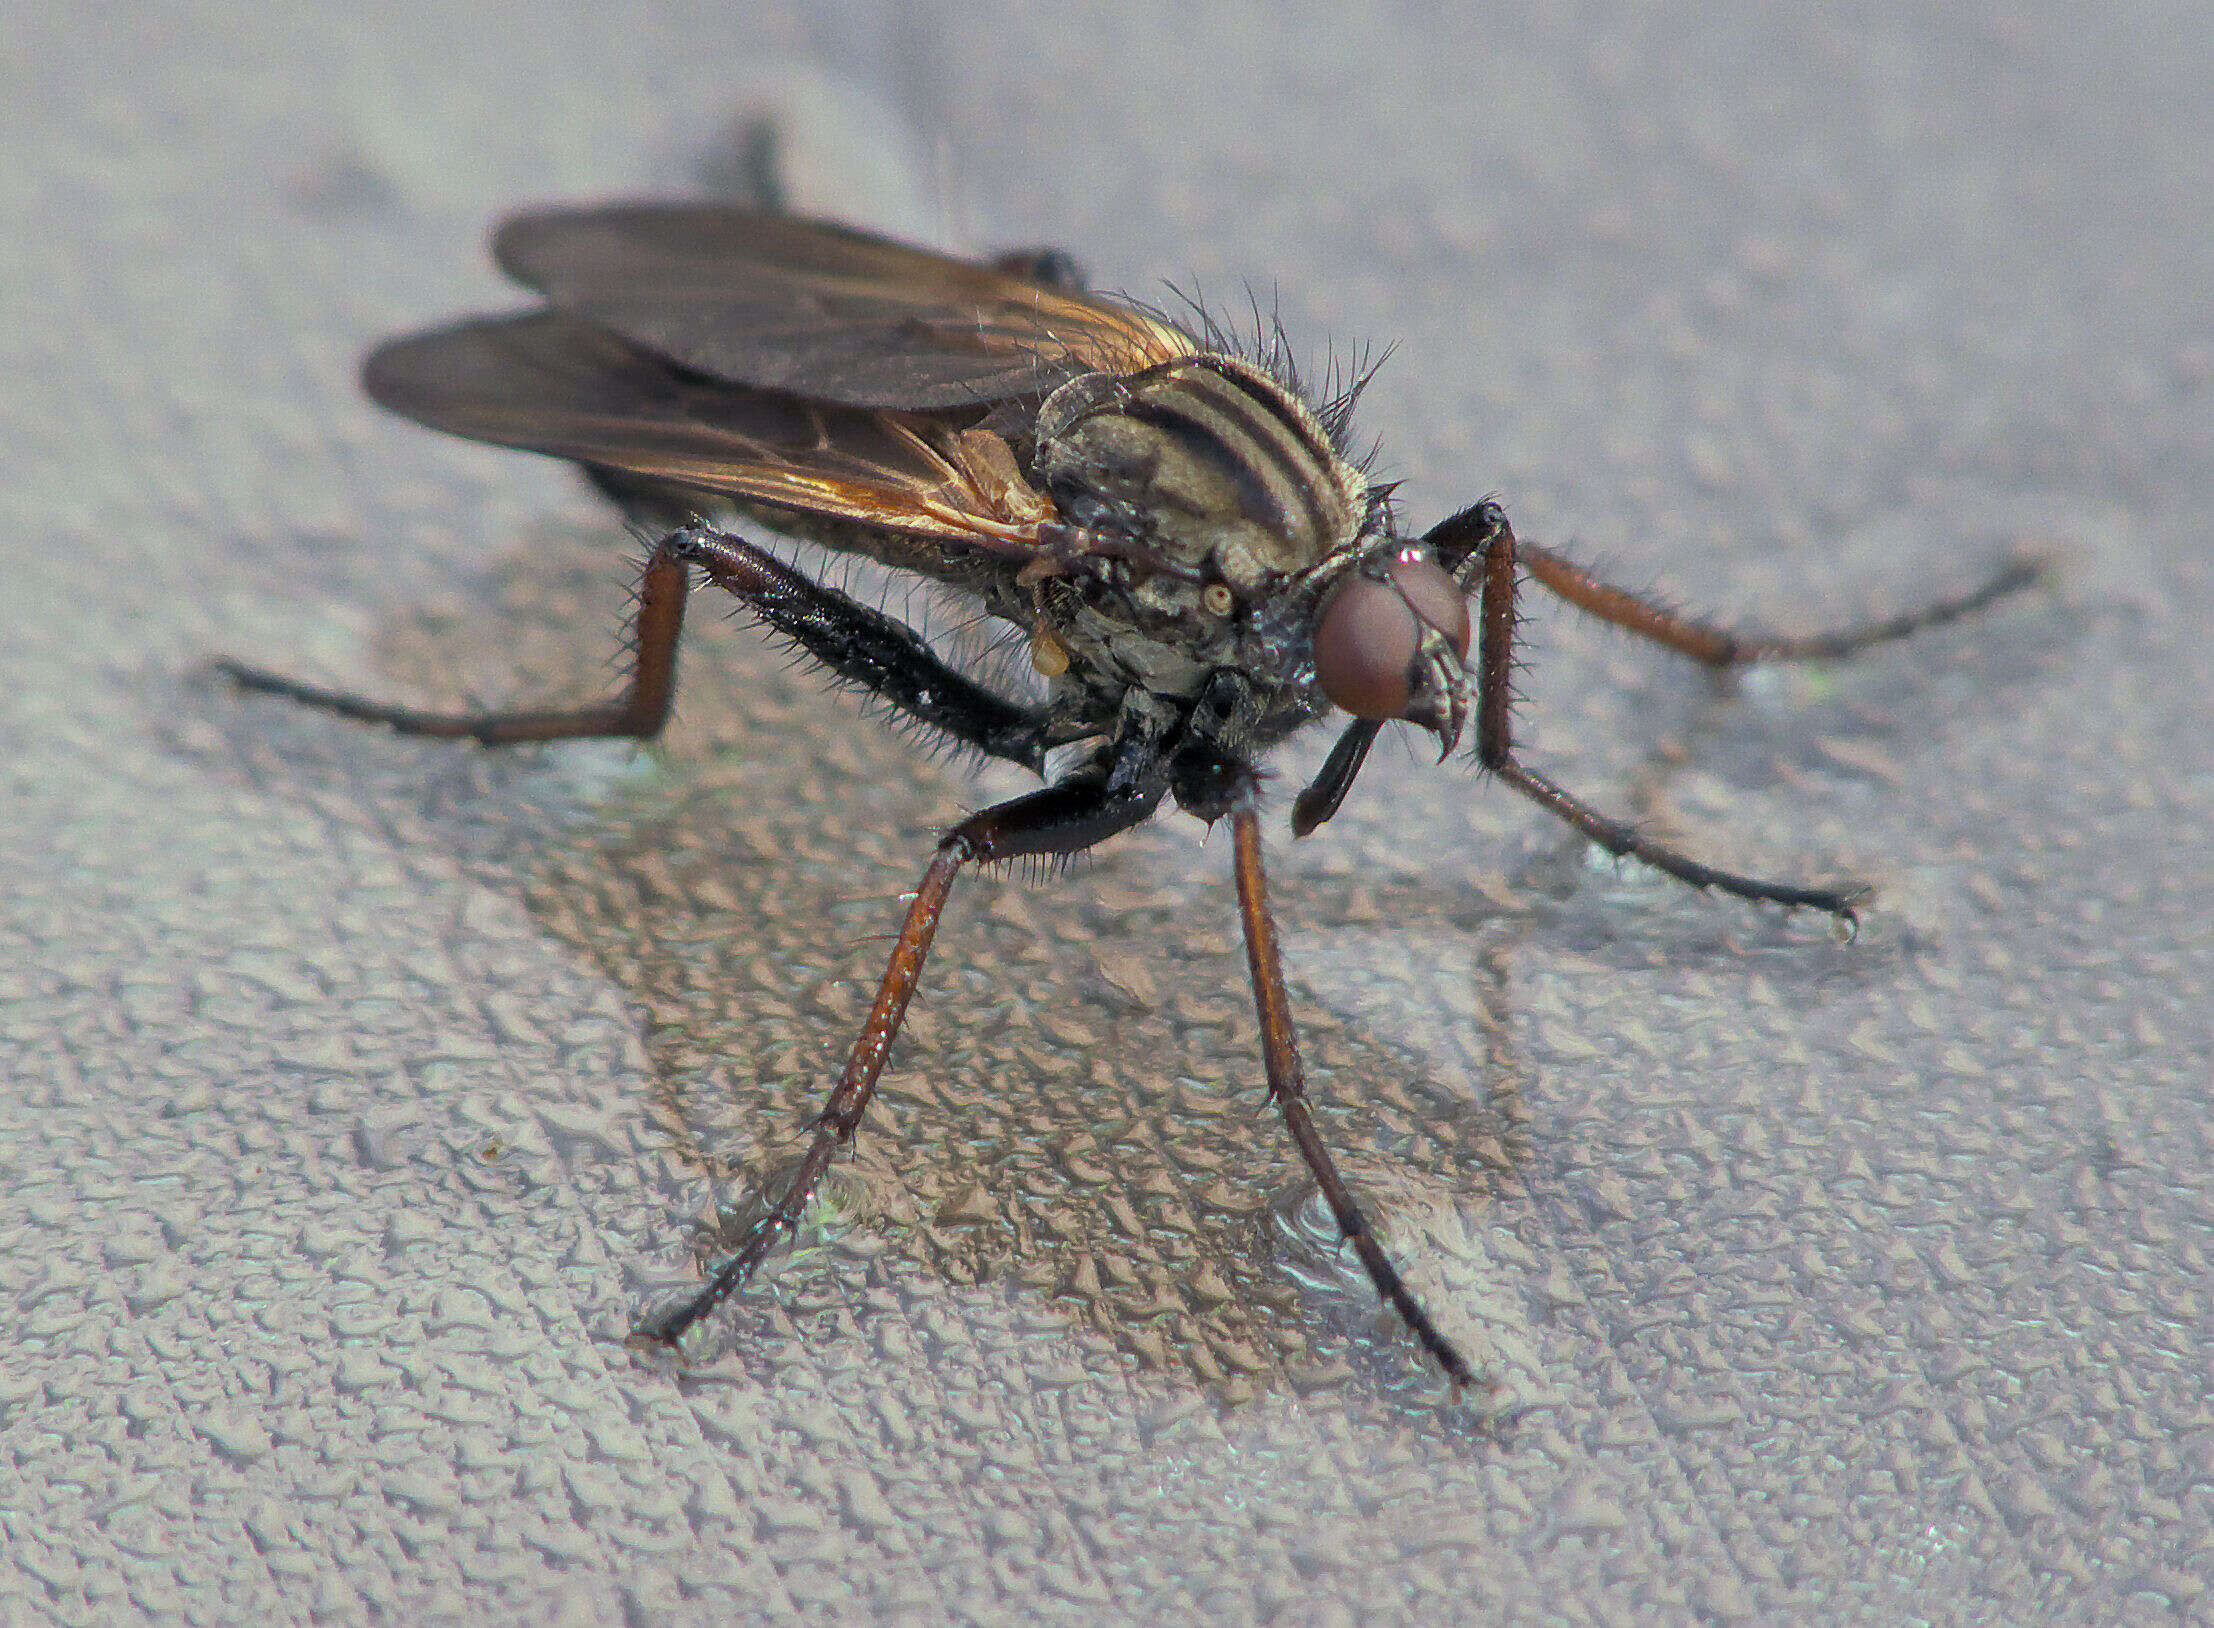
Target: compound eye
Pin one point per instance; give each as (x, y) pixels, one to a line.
(1368, 637)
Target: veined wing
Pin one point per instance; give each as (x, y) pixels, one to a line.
(822, 311)
(547, 382)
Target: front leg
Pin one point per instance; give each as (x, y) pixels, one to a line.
(1495, 566)
(1462, 541)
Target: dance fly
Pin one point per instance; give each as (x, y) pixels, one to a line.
(1198, 565)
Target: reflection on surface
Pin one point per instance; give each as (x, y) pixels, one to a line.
(1076, 1106)
(1077, 1101)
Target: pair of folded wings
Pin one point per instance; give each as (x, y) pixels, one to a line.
(774, 360)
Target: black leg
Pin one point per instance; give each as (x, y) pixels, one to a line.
(1062, 819)
(1288, 1090)
(865, 647)
(860, 645)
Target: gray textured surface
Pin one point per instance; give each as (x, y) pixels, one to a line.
(356, 1089)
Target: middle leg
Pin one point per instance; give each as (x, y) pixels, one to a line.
(1062, 819)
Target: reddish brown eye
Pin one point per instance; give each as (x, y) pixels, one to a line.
(1369, 634)
(1364, 645)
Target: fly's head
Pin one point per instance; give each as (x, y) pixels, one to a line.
(1391, 641)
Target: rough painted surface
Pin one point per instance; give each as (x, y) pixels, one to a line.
(359, 1092)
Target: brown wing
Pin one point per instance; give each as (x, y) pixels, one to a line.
(822, 311)
(546, 382)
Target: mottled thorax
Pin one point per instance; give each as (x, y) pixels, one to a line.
(1206, 460)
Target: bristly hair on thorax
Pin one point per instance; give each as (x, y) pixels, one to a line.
(1267, 344)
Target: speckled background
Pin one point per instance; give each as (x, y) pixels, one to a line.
(360, 1093)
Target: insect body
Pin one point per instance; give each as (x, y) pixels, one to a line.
(1199, 567)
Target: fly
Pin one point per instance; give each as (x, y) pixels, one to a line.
(1200, 568)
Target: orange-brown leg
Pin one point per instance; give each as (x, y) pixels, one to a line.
(1287, 1088)
(640, 711)
(1481, 547)
(1062, 819)
(1721, 647)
